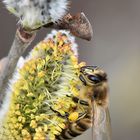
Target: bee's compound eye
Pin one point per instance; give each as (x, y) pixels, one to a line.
(94, 79)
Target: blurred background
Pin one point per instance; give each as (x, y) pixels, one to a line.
(115, 47)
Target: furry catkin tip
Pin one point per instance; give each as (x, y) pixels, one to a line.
(33, 14)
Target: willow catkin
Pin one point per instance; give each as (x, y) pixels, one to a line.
(41, 89)
(33, 14)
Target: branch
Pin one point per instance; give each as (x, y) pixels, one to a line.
(21, 42)
(78, 25)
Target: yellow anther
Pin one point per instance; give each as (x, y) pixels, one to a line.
(33, 124)
(41, 74)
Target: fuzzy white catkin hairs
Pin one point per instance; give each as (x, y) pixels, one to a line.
(35, 13)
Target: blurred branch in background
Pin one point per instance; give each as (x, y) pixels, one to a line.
(20, 44)
(2, 64)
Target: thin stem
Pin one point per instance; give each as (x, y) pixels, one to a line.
(21, 42)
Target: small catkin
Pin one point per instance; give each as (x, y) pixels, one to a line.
(33, 14)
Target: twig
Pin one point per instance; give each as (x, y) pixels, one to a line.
(21, 42)
(78, 25)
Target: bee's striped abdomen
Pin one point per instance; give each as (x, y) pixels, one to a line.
(74, 129)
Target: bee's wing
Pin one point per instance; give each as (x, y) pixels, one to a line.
(101, 123)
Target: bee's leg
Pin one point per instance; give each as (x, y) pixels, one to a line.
(88, 67)
(58, 113)
(83, 80)
(82, 102)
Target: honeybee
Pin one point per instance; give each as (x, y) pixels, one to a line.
(94, 96)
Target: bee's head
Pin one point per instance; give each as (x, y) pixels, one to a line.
(92, 75)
